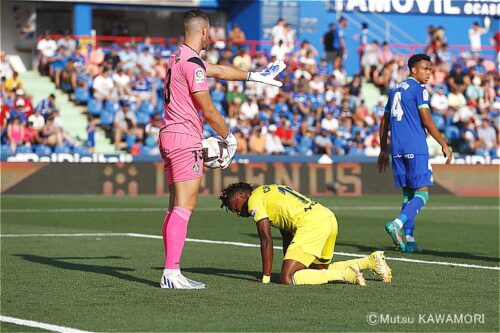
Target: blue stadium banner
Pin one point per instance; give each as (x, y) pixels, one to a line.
(440, 7)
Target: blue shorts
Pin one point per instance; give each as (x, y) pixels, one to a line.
(412, 171)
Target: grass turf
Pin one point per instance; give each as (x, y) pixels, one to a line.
(104, 283)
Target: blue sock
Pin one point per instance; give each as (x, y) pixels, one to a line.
(407, 196)
(411, 210)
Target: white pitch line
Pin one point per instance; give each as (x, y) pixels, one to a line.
(240, 244)
(48, 327)
(213, 209)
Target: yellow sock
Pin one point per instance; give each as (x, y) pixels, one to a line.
(364, 263)
(318, 276)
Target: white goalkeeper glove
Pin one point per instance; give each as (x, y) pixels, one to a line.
(267, 75)
(232, 145)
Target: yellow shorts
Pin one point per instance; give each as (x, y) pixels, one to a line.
(314, 241)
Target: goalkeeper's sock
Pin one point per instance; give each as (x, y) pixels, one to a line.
(176, 232)
(164, 230)
(318, 276)
(363, 263)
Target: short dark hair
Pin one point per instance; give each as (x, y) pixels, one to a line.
(191, 15)
(230, 190)
(416, 58)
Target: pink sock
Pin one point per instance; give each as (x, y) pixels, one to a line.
(164, 230)
(176, 232)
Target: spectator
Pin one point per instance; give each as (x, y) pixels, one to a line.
(278, 32)
(488, 138)
(146, 60)
(456, 99)
(439, 102)
(363, 42)
(104, 87)
(14, 83)
(243, 59)
(27, 106)
(6, 69)
(68, 43)
(68, 77)
(234, 98)
(280, 50)
(373, 149)
(143, 88)
(51, 134)
(125, 124)
(218, 36)
(242, 147)
(323, 142)
(46, 48)
(91, 129)
(330, 123)
(370, 60)
(128, 57)
(273, 142)
(37, 120)
(250, 109)
(112, 59)
(236, 35)
(257, 142)
(331, 45)
(31, 135)
(290, 36)
(385, 54)
(475, 33)
(15, 133)
(122, 82)
(286, 135)
(152, 130)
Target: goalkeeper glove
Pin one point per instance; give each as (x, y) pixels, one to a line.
(232, 144)
(267, 75)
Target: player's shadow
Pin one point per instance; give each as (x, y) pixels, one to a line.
(227, 273)
(426, 252)
(253, 235)
(114, 271)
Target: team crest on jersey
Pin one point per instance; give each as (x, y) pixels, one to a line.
(199, 75)
(425, 95)
(252, 212)
(196, 168)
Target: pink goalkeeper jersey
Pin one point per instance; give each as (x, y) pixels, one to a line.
(186, 74)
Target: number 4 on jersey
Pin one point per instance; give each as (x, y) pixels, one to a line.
(396, 109)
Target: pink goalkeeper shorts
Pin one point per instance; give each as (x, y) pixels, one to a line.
(182, 156)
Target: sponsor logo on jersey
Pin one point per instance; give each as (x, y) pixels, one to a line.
(199, 75)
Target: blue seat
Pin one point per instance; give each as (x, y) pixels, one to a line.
(147, 107)
(112, 106)
(106, 118)
(5, 151)
(142, 118)
(43, 150)
(23, 150)
(439, 121)
(452, 133)
(94, 107)
(81, 150)
(62, 150)
(82, 95)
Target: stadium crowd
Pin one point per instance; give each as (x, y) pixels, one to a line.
(319, 109)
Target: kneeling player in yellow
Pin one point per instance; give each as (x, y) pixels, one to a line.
(309, 231)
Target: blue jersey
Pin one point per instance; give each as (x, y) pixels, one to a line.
(407, 132)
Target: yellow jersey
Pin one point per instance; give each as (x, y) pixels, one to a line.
(285, 208)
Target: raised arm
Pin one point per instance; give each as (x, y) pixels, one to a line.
(227, 73)
(266, 248)
(233, 74)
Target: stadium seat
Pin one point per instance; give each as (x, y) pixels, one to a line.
(23, 150)
(106, 118)
(452, 133)
(5, 150)
(147, 107)
(62, 150)
(112, 106)
(142, 118)
(94, 107)
(82, 95)
(150, 141)
(81, 150)
(439, 121)
(43, 150)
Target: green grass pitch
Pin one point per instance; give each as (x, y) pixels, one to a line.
(111, 282)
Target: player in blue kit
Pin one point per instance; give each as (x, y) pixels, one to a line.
(407, 116)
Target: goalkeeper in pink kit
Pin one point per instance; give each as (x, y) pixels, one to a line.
(186, 95)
